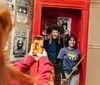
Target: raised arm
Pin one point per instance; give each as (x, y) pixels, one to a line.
(25, 65)
(45, 74)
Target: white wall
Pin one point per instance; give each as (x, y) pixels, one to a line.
(93, 60)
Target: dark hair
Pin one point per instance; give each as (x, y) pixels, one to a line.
(67, 40)
(55, 27)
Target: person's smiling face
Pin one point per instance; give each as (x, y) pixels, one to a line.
(55, 34)
(71, 43)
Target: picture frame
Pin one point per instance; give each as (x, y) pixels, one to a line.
(65, 22)
(19, 40)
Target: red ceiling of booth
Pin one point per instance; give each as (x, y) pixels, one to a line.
(66, 1)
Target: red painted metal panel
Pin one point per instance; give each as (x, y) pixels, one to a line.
(82, 35)
(65, 1)
(37, 18)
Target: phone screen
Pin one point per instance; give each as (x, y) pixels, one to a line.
(37, 44)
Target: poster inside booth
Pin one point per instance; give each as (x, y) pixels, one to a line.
(65, 22)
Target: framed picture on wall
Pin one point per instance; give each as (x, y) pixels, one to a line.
(22, 12)
(19, 46)
(11, 5)
(65, 22)
(19, 40)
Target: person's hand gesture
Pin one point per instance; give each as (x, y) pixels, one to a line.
(31, 50)
(44, 32)
(66, 31)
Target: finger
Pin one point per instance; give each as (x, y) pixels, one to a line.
(38, 54)
(31, 49)
(44, 52)
(32, 46)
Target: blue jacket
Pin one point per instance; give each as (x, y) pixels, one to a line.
(53, 49)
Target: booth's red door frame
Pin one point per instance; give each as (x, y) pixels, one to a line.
(83, 38)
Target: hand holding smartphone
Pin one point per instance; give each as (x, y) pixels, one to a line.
(37, 42)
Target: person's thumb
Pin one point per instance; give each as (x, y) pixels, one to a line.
(44, 52)
(38, 54)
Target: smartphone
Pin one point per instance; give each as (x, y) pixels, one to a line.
(38, 44)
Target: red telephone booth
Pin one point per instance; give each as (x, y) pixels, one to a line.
(76, 10)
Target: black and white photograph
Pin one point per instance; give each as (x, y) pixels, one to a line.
(19, 40)
(22, 12)
(11, 4)
(65, 22)
(22, 9)
(47, 25)
(19, 46)
(9, 0)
